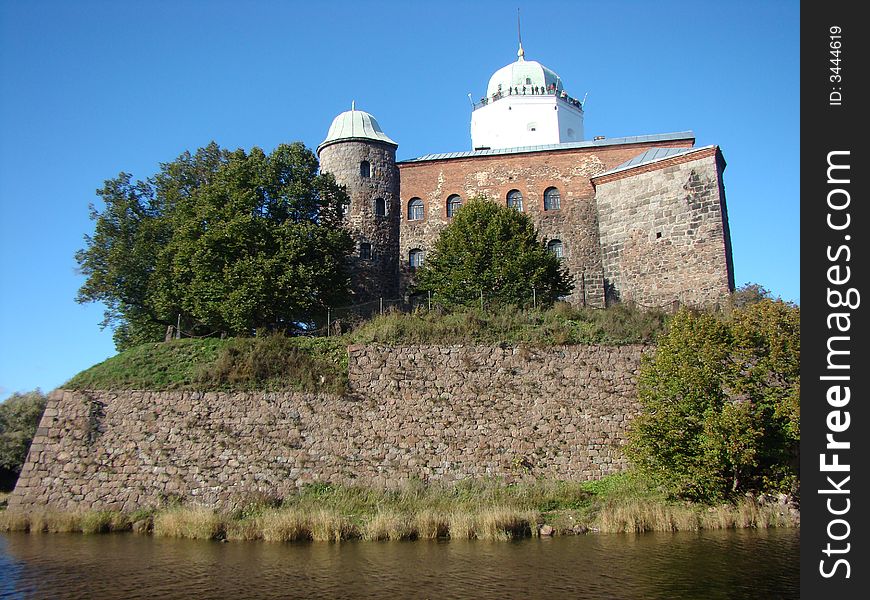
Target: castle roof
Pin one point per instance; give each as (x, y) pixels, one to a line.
(355, 125)
(636, 139)
(653, 155)
(522, 73)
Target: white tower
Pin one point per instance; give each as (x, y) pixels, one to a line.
(525, 105)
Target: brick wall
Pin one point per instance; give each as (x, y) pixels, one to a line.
(569, 170)
(427, 412)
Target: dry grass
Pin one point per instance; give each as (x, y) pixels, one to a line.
(484, 510)
(284, 525)
(431, 524)
(495, 523)
(193, 522)
(104, 521)
(389, 525)
(13, 520)
(638, 516)
(329, 525)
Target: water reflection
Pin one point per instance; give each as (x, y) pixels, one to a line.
(710, 565)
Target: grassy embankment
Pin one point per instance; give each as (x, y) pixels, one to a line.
(320, 364)
(486, 510)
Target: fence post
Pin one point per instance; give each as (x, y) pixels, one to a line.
(534, 298)
(382, 305)
(429, 296)
(328, 321)
(178, 328)
(481, 299)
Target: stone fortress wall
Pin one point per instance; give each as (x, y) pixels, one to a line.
(433, 413)
(664, 232)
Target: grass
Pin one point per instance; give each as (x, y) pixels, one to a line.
(563, 324)
(269, 363)
(277, 363)
(485, 510)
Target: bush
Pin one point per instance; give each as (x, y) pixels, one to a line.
(19, 418)
(721, 404)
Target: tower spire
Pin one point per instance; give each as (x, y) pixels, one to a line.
(520, 53)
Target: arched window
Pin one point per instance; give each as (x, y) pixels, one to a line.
(415, 258)
(380, 207)
(515, 200)
(415, 209)
(454, 203)
(552, 199)
(365, 251)
(555, 247)
(365, 169)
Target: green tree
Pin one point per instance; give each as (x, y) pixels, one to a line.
(749, 293)
(720, 403)
(495, 250)
(19, 418)
(232, 242)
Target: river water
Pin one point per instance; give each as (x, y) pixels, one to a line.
(707, 565)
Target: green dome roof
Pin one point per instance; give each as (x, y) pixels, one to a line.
(355, 125)
(521, 73)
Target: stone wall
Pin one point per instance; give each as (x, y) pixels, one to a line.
(664, 232)
(426, 412)
(375, 275)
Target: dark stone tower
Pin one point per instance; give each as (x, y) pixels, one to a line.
(363, 159)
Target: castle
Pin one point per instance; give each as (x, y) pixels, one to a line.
(639, 219)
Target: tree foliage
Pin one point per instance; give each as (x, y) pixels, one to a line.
(721, 403)
(231, 241)
(19, 418)
(495, 250)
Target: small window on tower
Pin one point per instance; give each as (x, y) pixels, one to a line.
(415, 258)
(380, 207)
(365, 169)
(528, 81)
(365, 251)
(555, 247)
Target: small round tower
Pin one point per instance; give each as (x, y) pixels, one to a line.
(363, 158)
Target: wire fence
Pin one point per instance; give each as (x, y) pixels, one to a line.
(341, 319)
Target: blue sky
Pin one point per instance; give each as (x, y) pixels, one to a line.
(92, 88)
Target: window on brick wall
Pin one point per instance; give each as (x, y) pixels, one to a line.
(454, 203)
(415, 258)
(415, 209)
(515, 200)
(365, 169)
(552, 199)
(555, 247)
(365, 251)
(380, 207)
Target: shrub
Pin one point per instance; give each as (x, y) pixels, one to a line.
(19, 418)
(720, 403)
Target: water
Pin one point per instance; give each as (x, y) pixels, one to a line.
(708, 565)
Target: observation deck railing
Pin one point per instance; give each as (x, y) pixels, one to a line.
(527, 91)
